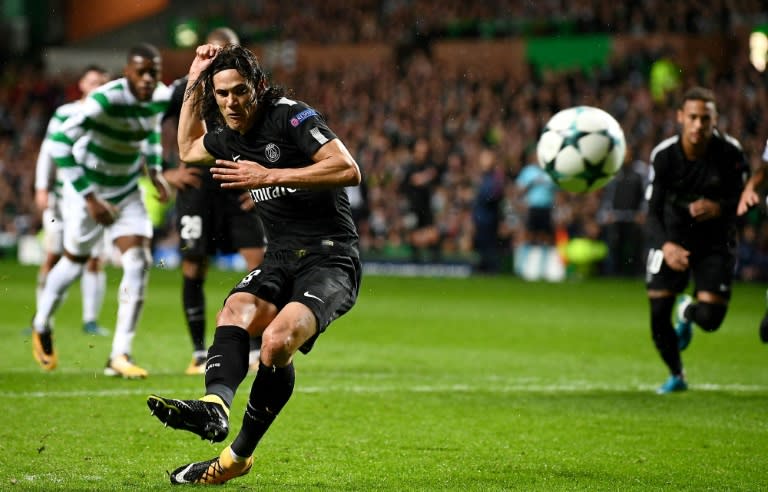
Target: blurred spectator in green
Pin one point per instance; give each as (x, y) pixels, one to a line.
(665, 76)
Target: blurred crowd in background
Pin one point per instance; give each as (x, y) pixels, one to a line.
(442, 150)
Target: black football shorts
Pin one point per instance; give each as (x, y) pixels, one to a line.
(327, 284)
(712, 271)
(210, 220)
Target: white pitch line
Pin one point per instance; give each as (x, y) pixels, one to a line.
(575, 387)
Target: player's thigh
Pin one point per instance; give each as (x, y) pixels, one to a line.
(255, 300)
(293, 327)
(132, 219)
(243, 309)
(328, 285)
(81, 232)
(659, 277)
(53, 230)
(714, 272)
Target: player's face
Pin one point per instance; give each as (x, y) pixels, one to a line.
(697, 120)
(143, 74)
(233, 96)
(91, 80)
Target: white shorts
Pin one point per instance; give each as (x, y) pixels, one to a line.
(53, 230)
(84, 236)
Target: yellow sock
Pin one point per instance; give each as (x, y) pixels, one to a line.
(216, 399)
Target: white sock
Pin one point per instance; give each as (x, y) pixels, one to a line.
(92, 286)
(41, 278)
(130, 299)
(199, 354)
(235, 457)
(61, 276)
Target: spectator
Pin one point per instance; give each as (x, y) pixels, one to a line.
(486, 213)
(623, 213)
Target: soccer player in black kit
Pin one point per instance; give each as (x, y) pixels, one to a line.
(296, 168)
(697, 179)
(210, 219)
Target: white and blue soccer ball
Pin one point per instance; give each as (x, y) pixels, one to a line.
(581, 148)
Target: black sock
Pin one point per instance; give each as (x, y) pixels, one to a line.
(270, 391)
(664, 336)
(193, 299)
(227, 363)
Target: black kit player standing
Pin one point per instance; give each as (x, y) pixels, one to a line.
(697, 179)
(297, 170)
(211, 219)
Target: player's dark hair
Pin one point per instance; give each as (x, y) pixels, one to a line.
(93, 68)
(233, 57)
(698, 94)
(144, 50)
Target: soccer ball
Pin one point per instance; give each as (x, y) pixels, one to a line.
(581, 148)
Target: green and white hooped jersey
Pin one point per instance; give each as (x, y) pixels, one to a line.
(46, 170)
(103, 147)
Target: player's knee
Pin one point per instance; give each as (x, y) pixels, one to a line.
(247, 311)
(279, 345)
(276, 348)
(709, 316)
(136, 258)
(284, 337)
(136, 262)
(194, 267)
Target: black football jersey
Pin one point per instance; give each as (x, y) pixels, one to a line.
(718, 175)
(178, 87)
(287, 136)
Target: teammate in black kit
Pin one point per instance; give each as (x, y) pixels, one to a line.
(296, 168)
(697, 179)
(211, 219)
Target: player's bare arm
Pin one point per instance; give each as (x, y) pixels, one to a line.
(704, 209)
(161, 185)
(183, 177)
(191, 128)
(101, 210)
(246, 202)
(749, 196)
(675, 256)
(333, 166)
(41, 199)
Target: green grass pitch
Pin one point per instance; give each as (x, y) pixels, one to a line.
(427, 384)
